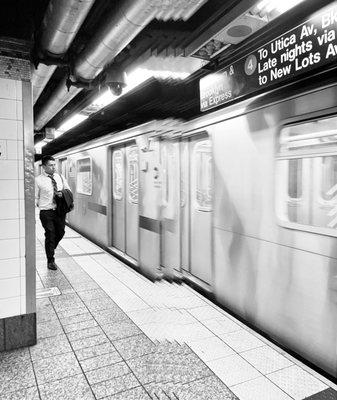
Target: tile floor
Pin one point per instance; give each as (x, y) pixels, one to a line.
(107, 332)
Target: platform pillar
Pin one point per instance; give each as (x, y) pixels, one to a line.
(17, 219)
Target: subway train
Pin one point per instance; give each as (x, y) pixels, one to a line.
(241, 202)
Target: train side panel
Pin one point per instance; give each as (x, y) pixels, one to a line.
(276, 278)
(88, 179)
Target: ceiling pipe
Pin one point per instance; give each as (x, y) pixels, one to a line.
(40, 78)
(124, 26)
(117, 33)
(121, 27)
(56, 102)
(60, 25)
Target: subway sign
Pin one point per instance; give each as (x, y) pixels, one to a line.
(310, 45)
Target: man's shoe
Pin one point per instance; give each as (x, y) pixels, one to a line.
(52, 265)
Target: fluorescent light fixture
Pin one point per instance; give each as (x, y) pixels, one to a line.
(38, 147)
(133, 79)
(262, 4)
(71, 123)
(103, 100)
(284, 6)
(140, 75)
(58, 133)
(100, 102)
(279, 6)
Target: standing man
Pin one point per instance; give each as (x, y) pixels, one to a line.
(48, 186)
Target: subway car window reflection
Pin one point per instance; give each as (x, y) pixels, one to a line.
(329, 178)
(133, 175)
(312, 176)
(204, 176)
(118, 175)
(84, 177)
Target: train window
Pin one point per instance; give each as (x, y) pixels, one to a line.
(165, 177)
(84, 176)
(329, 177)
(184, 175)
(314, 135)
(306, 175)
(133, 175)
(295, 178)
(63, 167)
(168, 173)
(204, 175)
(118, 175)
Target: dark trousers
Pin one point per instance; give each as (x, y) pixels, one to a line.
(53, 225)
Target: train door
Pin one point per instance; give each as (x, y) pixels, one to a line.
(196, 205)
(170, 215)
(118, 199)
(150, 184)
(125, 200)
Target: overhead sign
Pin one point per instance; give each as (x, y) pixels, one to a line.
(310, 45)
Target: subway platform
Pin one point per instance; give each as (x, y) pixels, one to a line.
(106, 332)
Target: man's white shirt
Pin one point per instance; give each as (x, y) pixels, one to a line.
(44, 191)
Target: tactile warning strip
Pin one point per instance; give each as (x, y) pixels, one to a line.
(47, 292)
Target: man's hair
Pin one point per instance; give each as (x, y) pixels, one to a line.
(45, 159)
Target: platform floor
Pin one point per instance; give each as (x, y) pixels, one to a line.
(106, 332)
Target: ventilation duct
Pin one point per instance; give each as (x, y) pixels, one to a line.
(56, 102)
(40, 78)
(122, 26)
(60, 25)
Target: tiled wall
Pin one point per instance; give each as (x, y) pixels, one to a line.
(12, 204)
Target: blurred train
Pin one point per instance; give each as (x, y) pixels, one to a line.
(241, 201)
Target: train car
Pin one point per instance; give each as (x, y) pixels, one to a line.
(242, 202)
(274, 219)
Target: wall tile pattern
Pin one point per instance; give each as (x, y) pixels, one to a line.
(14, 68)
(12, 206)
